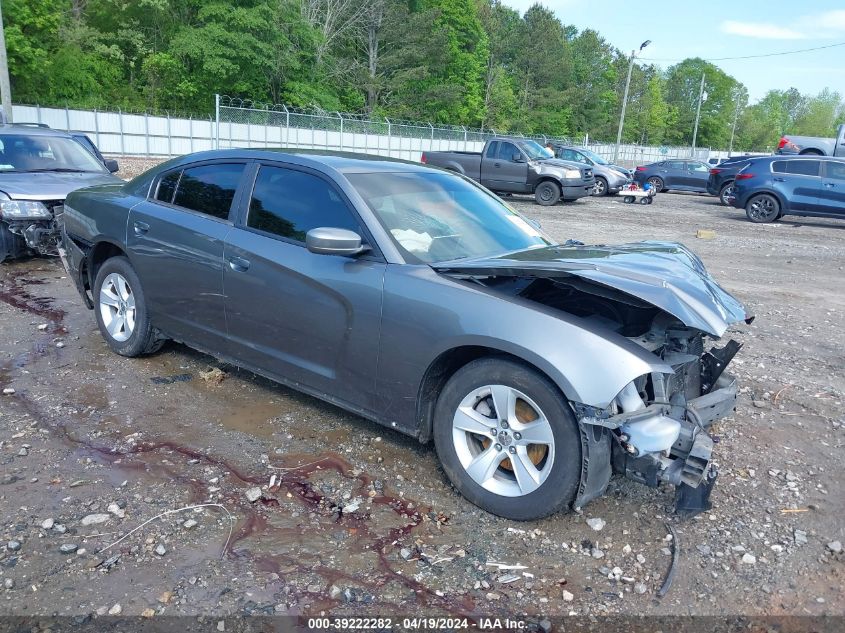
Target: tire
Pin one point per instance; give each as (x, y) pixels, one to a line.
(119, 305)
(649, 200)
(725, 191)
(645, 200)
(811, 152)
(547, 193)
(629, 199)
(657, 183)
(762, 208)
(600, 188)
(550, 468)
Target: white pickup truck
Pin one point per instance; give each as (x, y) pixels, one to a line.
(817, 145)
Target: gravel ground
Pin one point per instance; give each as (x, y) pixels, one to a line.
(307, 509)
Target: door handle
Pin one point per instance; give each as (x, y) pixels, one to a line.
(496, 165)
(780, 179)
(140, 228)
(829, 185)
(238, 264)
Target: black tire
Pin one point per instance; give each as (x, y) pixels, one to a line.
(649, 200)
(547, 193)
(144, 339)
(725, 191)
(557, 491)
(600, 188)
(811, 152)
(645, 200)
(762, 208)
(629, 199)
(657, 183)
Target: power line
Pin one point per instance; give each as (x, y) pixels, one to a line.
(723, 59)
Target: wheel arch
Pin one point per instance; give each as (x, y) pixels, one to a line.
(782, 201)
(100, 252)
(444, 366)
(547, 178)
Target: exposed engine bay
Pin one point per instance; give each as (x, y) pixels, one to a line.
(22, 237)
(657, 427)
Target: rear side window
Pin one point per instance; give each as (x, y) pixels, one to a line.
(167, 187)
(803, 167)
(779, 166)
(290, 203)
(209, 189)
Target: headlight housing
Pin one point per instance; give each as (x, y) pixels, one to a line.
(24, 210)
(571, 173)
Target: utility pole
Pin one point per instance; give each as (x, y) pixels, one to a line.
(625, 100)
(733, 127)
(697, 115)
(5, 88)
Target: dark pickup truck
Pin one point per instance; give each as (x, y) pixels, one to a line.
(510, 165)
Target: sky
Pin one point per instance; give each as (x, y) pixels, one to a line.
(721, 28)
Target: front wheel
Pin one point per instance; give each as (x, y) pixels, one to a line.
(600, 188)
(507, 440)
(120, 310)
(762, 208)
(547, 193)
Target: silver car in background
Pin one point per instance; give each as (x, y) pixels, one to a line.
(38, 168)
(610, 178)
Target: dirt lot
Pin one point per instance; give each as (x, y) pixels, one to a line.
(360, 520)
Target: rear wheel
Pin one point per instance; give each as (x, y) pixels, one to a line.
(762, 208)
(547, 193)
(600, 188)
(121, 312)
(629, 199)
(657, 183)
(811, 152)
(508, 440)
(725, 192)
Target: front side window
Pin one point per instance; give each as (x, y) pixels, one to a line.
(507, 151)
(698, 167)
(289, 203)
(209, 189)
(492, 149)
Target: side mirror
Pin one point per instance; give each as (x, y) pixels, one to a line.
(331, 241)
(517, 158)
(111, 164)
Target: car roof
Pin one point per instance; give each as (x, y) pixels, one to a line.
(343, 162)
(29, 130)
(775, 157)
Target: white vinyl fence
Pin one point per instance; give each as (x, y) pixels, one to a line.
(243, 124)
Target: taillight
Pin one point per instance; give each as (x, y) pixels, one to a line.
(640, 168)
(743, 176)
(783, 141)
(715, 171)
(423, 160)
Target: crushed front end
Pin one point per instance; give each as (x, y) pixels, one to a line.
(29, 227)
(659, 423)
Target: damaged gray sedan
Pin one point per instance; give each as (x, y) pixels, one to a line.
(418, 299)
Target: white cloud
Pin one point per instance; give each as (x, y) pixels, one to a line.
(830, 22)
(760, 30)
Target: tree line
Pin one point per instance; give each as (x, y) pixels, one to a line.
(477, 63)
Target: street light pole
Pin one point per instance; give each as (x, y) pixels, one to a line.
(697, 115)
(5, 88)
(733, 127)
(625, 100)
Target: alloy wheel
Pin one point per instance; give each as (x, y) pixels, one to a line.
(503, 440)
(117, 307)
(762, 209)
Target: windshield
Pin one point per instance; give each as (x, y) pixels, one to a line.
(434, 217)
(535, 151)
(594, 157)
(25, 153)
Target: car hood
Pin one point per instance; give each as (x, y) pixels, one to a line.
(50, 185)
(665, 274)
